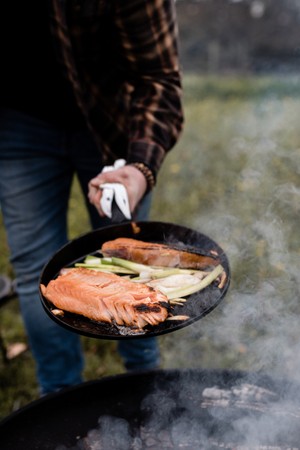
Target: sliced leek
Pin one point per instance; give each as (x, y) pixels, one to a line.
(188, 290)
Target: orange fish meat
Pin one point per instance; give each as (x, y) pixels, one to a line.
(153, 254)
(107, 297)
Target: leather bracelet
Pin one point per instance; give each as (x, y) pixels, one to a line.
(148, 174)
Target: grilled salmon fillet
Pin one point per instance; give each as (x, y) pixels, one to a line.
(156, 254)
(106, 297)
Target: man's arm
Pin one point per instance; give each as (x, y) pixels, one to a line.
(149, 37)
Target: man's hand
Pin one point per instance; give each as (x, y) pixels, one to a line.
(133, 180)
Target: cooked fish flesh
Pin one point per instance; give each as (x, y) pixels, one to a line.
(107, 297)
(157, 254)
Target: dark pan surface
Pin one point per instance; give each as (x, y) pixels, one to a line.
(197, 305)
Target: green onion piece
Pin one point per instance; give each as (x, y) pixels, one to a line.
(177, 318)
(166, 272)
(183, 292)
(106, 261)
(94, 260)
(176, 302)
(150, 271)
(105, 268)
(135, 267)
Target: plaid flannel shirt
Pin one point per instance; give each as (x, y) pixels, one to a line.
(121, 57)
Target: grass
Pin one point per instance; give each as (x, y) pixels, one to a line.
(234, 176)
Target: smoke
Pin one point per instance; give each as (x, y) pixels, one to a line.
(256, 221)
(111, 433)
(257, 323)
(252, 211)
(203, 410)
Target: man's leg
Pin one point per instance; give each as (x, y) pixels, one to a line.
(34, 189)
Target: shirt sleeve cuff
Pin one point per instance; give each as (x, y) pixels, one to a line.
(152, 155)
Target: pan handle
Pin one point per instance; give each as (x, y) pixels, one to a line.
(116, 214)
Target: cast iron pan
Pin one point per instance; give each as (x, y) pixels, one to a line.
(196, 307)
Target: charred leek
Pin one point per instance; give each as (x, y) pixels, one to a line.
(188, 290)
(104, 265)
(150, 272)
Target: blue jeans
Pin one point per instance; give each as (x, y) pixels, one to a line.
(37, 164)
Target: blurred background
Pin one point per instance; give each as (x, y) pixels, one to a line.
(235, 176)
(250, 36)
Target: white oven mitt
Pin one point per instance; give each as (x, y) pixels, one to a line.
(114, 192)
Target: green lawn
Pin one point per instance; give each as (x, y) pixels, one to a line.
(235, 176)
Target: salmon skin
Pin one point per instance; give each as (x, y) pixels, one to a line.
(107, 297)
(154, 254)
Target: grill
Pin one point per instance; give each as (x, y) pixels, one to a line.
(164, 409)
